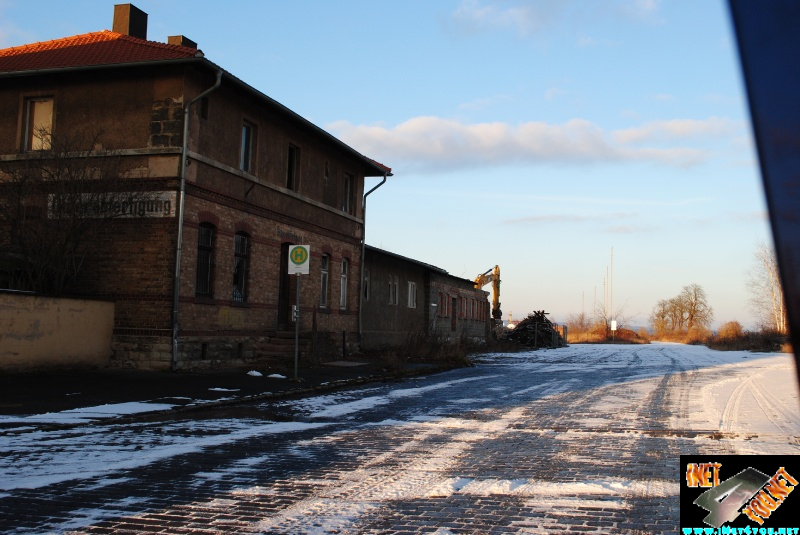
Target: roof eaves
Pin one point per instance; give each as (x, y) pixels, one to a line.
(378, 168)
(372, 167)
(77, 68)
(406, 259)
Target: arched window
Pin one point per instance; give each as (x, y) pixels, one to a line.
(241, 257)
(205, 260)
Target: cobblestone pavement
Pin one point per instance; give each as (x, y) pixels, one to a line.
(575, 440)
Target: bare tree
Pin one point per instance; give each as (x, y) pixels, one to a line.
(766, 292)
(675, 311)
(579, 323)
(696, 309)
(686, 311)
(603, 316)
(53, 204)
(660, 318)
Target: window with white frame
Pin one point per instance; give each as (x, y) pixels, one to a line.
(38, 123)
(412, 294)
(343, 289)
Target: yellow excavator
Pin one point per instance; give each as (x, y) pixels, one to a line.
(493, 276)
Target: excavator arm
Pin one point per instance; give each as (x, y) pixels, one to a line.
(493, 276)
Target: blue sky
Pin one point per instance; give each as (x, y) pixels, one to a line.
(533, 134)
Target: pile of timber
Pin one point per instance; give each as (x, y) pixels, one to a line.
(537, 331)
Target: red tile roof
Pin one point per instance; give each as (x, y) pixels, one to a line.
(90, 49)
(111, 48)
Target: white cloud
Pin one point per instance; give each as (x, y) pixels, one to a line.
(533, 17)
(483, 103)
(591, 220)
(641, 9)
(588, 41)
(677, 129)
(436, 144)
(525, 19)
(629, 229)
(664, 97)
(554, 92)
(569, 218)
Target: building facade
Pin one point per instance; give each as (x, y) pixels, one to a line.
(226, 180)
(405, 297)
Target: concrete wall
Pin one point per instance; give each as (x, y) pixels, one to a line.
(44, 332)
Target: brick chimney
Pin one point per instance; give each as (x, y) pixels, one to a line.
(130, 20)
(181, 40)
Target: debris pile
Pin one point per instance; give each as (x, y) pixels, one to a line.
(537, 331)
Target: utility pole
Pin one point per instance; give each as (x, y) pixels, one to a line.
(611, 295)
(611, 287)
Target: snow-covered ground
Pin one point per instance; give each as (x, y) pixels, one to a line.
(731, 402)
(754, 395)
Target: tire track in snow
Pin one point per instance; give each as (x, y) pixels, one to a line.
(730, 413)
(345, 497)
(772, 412)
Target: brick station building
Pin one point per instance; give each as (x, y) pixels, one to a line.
(258, 178)
(405, 298)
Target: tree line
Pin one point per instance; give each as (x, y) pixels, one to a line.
(683, 314)
(687, 317)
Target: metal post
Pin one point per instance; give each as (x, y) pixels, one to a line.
(176, 281)
(297, 328)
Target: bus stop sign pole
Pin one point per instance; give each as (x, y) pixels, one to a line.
(299, 259)
(297, 328)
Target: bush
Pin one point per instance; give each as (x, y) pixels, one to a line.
(600, 334)
(731, 329)
(761, 342)
(431, 347)
(698, 336)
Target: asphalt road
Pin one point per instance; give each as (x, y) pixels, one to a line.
(585, 439)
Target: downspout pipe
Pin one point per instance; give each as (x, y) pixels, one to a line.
(363, 260)
(176, 283)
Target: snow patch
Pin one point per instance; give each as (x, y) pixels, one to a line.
(87, 414)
